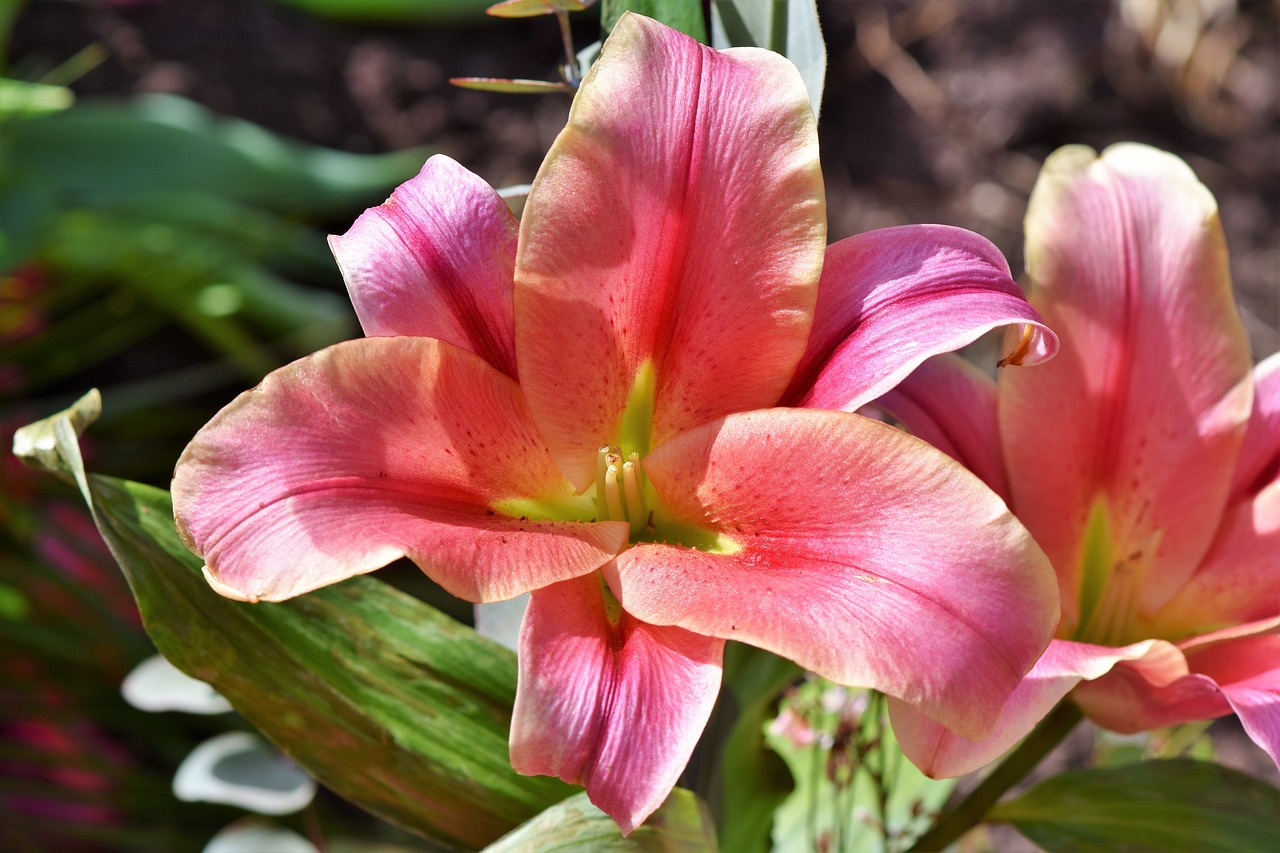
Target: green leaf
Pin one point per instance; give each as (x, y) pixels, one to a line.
(390, 11)
(681, 825)
(788, 27)
(103, 151)
(51, 445)
(1177, 806)
(382, 698)
(683, 15)
(19, 99)
(752, 780)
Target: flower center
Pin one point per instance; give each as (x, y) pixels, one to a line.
(1114, 574)
(620, 489)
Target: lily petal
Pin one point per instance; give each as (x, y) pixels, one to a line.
(951, 404)
(1247, 671)
(851, 548)
(608, 702)
(1236, 582)
(372, 450)
(436, 260)
(891, 298)
(1159, 689)
(1146, 403)
(1259, 462)
(941, 753)
(678, 221)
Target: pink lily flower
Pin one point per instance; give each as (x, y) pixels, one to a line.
(1135, 459)
(584, 404)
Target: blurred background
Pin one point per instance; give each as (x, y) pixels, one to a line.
(169, 168)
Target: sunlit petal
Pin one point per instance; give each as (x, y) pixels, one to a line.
(436, 260)
(607, 701)
(1238, 580)
(372, 450)
(941, 753)
(891, 298)
(1259, 462)
(678, 220)
(1145, 405)
(853, 549)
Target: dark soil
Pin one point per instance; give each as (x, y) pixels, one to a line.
(935, 110)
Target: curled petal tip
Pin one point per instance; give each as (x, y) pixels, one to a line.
(226, 590)
(1033, 343)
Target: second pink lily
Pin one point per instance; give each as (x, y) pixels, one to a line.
(1144, 459)
(583, 405)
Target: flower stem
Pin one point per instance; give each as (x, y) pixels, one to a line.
(970, 811)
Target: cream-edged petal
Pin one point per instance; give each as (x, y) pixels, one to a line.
(891, 298)
(372, 450)
(436, 260)
(678, 221)
(608, 702)
(1145, 405)
(852, 548)
(941, 753)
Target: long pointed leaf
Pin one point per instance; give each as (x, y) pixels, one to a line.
(788, 27)
(683, 15)
(382, 698)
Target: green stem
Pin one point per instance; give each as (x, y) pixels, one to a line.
(973, 808)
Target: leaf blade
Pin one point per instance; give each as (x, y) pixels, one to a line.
(681, 825)
(385, 700)
(1174, 806)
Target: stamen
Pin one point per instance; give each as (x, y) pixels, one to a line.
(602, 465)
(613, 495)
(631, 490)
(619, 493)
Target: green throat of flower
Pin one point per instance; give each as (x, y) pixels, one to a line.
(1112, 579)
(621, 491)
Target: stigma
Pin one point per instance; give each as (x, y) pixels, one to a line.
(620, 488)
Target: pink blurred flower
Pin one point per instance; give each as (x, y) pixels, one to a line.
(583, 405)
(1133, 458)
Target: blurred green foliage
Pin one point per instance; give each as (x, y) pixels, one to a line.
(172, 253)
(121, 220)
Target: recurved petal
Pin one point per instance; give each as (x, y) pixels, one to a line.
(608, 702)
(1159, 689)
(852, 548)
(1247, 671)
(368, 451)
(678, 220)
(890, 298)
(951, 404)
(1146, 402)
(941, 753)
(436, 260)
